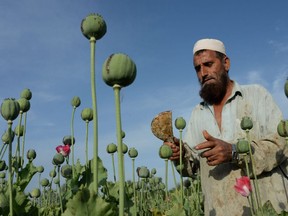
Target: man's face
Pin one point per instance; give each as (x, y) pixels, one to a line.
(212, 73)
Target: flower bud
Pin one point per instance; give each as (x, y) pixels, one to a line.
(242, 146)
(153, 171)
(24, 105)
(19, 130)
(286, 88)
(2, 165)
(10, 109)
(26, 93)
(93, 26)
(187, 183)
(35, 193)
(87, 114)
(143, 172)
(31, 154)
(75, 102)
(67, 140)
(123, 134)
(56, 181)
(180, 123)
(133, 153)
(165, 152)
(282, 128)
(111, 148)
(40, 169)
(52, 173)
(2, 175)
(5, 137)
(66, 171)
(58, 159)
(124, 148)
(119, 69)
(44, 182)
(246, 123)
(179, 167)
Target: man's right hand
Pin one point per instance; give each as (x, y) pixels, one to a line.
(175, 148)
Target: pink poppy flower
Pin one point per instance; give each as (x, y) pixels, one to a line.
(243, 186)
(64, 150)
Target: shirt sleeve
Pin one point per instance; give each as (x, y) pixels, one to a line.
(268, 147)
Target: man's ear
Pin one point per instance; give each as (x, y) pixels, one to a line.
(227, 63)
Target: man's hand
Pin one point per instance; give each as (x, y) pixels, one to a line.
(218, 151)
(175, 148)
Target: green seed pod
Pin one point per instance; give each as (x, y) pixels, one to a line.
(93, 26)
(187, 183)
(10, 109)
(24, 105)
(153, 171)
(282, 128)
(26, 93)
(242, 146)
(66, 171)
(111, 148)
(35, 193)
(165, 151)
(52, 173)
(56, 181)
(87, 114)
(179, 167)
(58, 159)
(123, 134)
(133, 153)
(119, 69)
(75, 102)
(157, 179)
(67, 140)
(2, 165)
(5, 137)
(124, 148)
(180, 123)
(31, 154)
(246, 123)
(40, 169)
(143, 172)
(286, 88)
(2, 176)
(19, 130)
(44, 182)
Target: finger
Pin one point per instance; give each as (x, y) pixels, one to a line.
(207, 136)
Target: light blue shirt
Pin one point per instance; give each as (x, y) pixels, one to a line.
(255, 102)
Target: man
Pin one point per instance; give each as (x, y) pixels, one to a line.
(214, 129)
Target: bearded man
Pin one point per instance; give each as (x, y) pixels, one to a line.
(214, 129)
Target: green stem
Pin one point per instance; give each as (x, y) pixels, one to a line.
(254, 173)
(23, 139)
(121, 173)
(4, 146)
(86, 143)
(72, 140)
(113, 165)
(166, 178)
(10, 168)
(134, 186)
(181, 162)
(59, 190)
(95, 117)
(251, 198)
(173, 173)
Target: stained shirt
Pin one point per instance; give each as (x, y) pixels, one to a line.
(270, 150)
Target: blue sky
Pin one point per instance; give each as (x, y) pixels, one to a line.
(43, 49)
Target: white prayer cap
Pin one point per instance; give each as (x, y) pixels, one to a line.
(209, 44)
